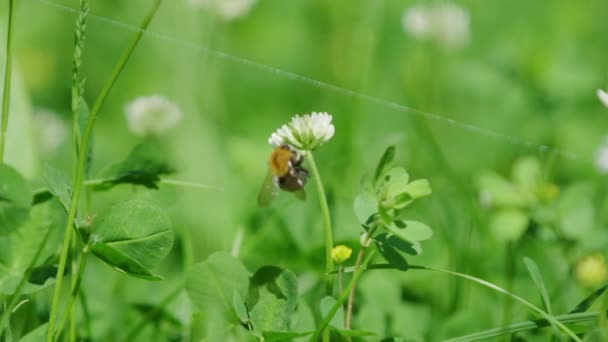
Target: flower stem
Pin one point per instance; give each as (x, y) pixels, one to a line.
(7, 78)
(82, 157)
(342, 298)
(351, 296)
(9, 308)
(75, 290)
(329, 264)
(329, 243)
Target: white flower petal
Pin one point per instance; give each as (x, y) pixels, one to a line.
(305, 132)
(603, 96)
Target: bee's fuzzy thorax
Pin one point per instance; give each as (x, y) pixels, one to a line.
(279, 161)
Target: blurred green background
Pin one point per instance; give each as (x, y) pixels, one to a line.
(525, 77)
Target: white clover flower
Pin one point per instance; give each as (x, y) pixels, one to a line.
(305, 132)
(601, 157)
(603, 96)
(52, 130)
(227, 9)
(447, 24)
(416, 21)
(152, 115)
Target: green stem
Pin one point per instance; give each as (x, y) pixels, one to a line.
(78, 180)
(526, 325)
(142, 324)
(487, 284)
(75, 290)
(7, 78)
(341, 299)
(329, 244)
(9, 308)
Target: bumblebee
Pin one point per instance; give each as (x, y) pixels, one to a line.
(285, 172)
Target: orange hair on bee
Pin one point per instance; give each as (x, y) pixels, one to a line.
(279, 161)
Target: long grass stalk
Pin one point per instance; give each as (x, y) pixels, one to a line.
(78, 180)
(8, 66)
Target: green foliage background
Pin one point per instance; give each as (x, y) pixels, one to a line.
(530, 72)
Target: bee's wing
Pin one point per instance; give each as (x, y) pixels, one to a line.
(267, 192)
(300, 194)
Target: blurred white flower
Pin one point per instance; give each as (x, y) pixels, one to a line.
(416, 21)
(52, 130)
(304, 132)
(445, 23)
(152, 115)
(601, 157)
(227, 9)
(603, 96)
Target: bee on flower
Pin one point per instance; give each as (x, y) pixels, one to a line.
(292, 142)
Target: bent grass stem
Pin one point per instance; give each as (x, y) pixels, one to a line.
(78, 179)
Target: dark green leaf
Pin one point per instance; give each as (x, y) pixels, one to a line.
(133, 236)
(587, 302)
(122, 262)
(389, 253)
(384, 163)
(15, 199)
(144, 166)
(211, 284)
(273, 298)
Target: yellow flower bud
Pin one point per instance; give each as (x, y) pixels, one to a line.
(591, 270)
(341, 253)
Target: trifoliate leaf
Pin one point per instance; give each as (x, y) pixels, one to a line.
(144, 166)
(133, 237)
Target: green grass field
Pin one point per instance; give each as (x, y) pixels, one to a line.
(469, 142)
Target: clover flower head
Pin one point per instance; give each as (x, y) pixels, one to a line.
(304, 133)
(446, 24)
(603, 96)
(152, 115)
(341, 253)
(591, 270)
(226, 9)
(52, 130)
